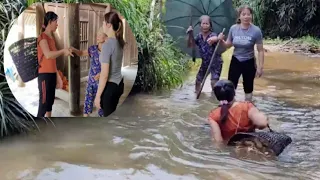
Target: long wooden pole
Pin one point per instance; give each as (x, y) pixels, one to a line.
(74, 62)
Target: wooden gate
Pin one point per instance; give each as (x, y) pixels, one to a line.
(91, 18)
(84, 60)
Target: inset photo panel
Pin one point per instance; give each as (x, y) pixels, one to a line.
(70, 60)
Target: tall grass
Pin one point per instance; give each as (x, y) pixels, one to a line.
(312, 41)
(304, 40)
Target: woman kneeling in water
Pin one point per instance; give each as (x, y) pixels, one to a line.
(232, 117)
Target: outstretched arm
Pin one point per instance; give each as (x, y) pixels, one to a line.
(227, 44)
(212, 40)
(50, 54)
(80, 53)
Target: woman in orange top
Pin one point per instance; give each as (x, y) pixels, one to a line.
(232, 117)
(47, 54)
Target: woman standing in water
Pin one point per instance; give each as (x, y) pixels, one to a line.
(206, 41)
(48, 79)
(111, 84)
(243, 36)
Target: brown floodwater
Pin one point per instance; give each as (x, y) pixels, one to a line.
(162, 136)
(291, 78)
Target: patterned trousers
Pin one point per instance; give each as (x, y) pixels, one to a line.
(91, 92)
(215, 69)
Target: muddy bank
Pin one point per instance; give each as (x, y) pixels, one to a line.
(293, 46)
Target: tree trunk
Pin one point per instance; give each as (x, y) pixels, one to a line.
(74, 62)
(152, 8)
(40, 12)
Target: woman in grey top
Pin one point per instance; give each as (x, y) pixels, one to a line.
(111, 84)
(243, 36)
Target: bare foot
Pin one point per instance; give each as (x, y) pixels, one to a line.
(85, 115)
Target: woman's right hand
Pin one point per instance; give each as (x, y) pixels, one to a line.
(73, 49)
(59, 84)
(221, 36)
(189, 29)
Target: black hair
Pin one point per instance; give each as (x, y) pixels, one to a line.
(224, 91)
(49, 17)
(114, 19)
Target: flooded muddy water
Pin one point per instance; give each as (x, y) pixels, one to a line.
(161, 136)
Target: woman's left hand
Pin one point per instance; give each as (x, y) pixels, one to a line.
(221, 36)
(97, 102)
(212, 40)
(96, 77)
(259, 72)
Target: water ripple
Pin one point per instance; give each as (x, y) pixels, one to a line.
(168, 131)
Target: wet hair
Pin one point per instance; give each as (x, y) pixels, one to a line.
(240, 11)
(117, 25)
(224, 91)
(209, 18)
(49, 17)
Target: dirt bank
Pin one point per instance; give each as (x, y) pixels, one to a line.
(293, 46)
